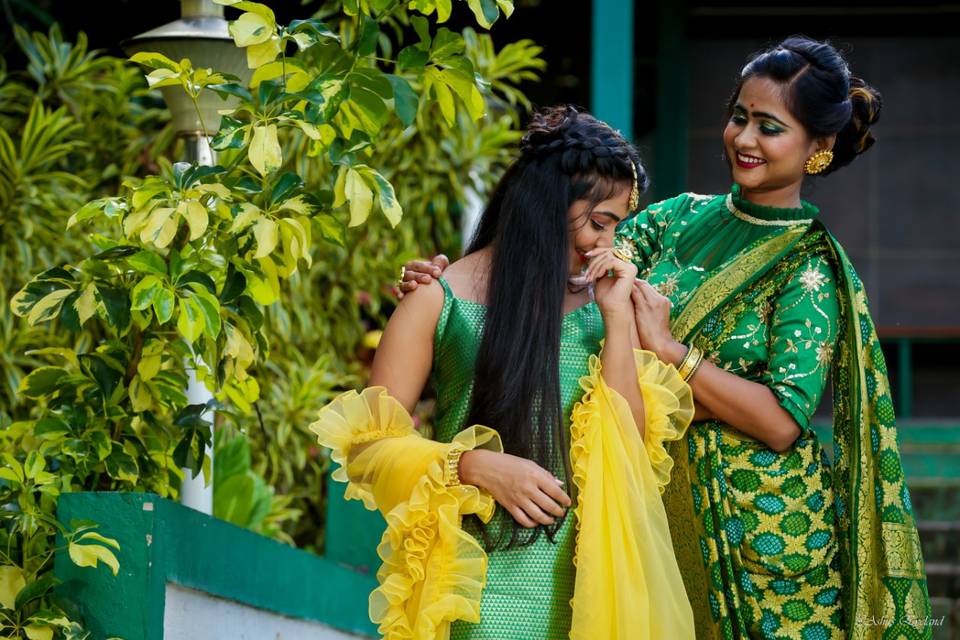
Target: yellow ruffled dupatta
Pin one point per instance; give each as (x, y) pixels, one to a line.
(433, 572)
(628, 585)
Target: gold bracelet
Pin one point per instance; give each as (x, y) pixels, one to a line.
(695, 367)
(690, 363)
(453, 465)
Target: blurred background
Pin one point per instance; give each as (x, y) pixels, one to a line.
(662, 72)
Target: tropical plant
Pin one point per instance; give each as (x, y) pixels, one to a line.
(187, 261)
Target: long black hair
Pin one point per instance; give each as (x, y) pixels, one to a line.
(566, 155)
(821, 93)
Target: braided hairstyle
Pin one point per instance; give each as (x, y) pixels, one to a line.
(565, 156)
(821, 93)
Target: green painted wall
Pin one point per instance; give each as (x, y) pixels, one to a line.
(162, 541)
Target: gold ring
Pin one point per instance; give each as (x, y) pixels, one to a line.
(620, 254)
(403, 272)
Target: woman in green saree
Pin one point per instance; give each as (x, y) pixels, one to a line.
(773, 540)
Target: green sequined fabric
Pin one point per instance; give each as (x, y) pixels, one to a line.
(528, 589)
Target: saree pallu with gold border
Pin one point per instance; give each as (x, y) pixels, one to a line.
(781, 545)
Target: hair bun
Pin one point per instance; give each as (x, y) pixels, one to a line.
(545, 132)
(855, 137)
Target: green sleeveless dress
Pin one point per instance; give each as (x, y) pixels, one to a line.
(528, 589)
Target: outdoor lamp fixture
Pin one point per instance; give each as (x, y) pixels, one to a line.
(200, 35)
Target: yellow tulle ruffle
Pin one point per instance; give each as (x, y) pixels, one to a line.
(433, 572)
(628, 584)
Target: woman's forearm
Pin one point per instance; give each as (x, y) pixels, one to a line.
(748, 406)
(619, 366)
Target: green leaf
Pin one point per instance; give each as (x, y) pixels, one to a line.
(141, 399)
(284, 187)
(332, 229)
(360, 196)
(485, 11)
(160, 228)
(369, 34)
(42, 381)
(190, 320)
(48, 307)
(414, 57)
(197, 277)
(38, 632)
(405, 100)
(116, 302)
(233, 499)
(422, 27)
(121, 466)
(264, 152)
(263, 53)
(147, 262)
(89, 555)
(210, 311)
(231, 89)
(144, 292)
(197, 217)
(233, 286)
(445, 99)
(446, 44)
(151, 357)
(265, 231)
(86, 304)
(465, 86)
(250, 29)
(93, 535)
(36, 589)
(387, 198)
(163, 304)
(104, 371)
(11, 582)
(50, 427)
(247, 213)
(155, 60)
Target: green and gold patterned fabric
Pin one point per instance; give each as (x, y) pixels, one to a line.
(783, 545)
(528, 590)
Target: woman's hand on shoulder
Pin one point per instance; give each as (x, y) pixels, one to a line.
(417, 272)
(530, 493)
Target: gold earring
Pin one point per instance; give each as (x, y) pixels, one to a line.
(818, 162)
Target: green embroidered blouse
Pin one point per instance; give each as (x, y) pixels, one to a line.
(786, 342)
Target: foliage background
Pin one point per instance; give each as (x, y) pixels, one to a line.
(77, 126)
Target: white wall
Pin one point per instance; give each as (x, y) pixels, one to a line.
(194, 615)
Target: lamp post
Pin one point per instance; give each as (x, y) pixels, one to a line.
(200, 35)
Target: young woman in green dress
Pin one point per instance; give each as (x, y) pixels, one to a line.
(512, 344)
(774, 540)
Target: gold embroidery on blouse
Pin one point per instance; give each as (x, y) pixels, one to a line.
(746, 217)
(812, 280)
(669, 286)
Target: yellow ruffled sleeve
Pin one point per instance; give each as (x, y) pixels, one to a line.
(433, 572)
(628, 584)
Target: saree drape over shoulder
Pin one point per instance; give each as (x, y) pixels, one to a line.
(783, 545)
(438, 582)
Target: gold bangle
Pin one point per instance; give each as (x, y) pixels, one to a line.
(690, 363)
(453, 465)
(621, 255)
(694, 368)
